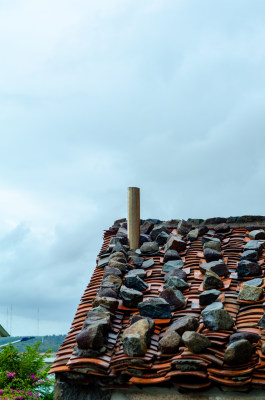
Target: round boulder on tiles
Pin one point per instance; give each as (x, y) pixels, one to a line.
(211, 255)
(173, 264)
(171, 255)
(254, 245)
(130, 297)
(175, 298)
(169, 342)
(218, 320)
(212, 281)
(214, 245)
(136, 338)
(149, 248)
(247, 268)
(257, 234)
(183, 324)
(250, 255)
(238, 352)
(250, 336)
(193, 235)
(222, 228)
(250, 293)
(137, 272)
(176, 283)
(155, 308)
(196, 342)
(175, 242)
(176, 272)
(184, 227)
(208, 296)
(135, 282)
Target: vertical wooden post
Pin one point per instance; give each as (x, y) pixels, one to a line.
(133, 217)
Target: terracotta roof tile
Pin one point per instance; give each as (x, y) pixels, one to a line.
(120, 370)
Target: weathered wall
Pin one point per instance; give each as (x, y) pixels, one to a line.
(65, 391)
(172, 394)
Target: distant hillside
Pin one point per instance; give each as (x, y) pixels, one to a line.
(49, 342)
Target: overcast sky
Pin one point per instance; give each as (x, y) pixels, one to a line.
(99, 95)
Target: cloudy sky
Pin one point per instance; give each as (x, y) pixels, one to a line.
(99, 95)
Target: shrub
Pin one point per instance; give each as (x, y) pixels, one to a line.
(23, 375)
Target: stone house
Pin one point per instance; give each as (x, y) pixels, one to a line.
(180, 317)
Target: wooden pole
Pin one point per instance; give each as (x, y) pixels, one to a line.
(133, 217)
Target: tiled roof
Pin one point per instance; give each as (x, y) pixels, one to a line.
(113, 368)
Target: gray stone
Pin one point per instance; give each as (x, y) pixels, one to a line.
(137, 272)
(222, 228)
(184, 227)
(97, 316)
(196, 342)
(156, 308)
(103, 261)
(91, 338)
(193, 235)
(212, 281)
(214, 245)
(112, 282)
(263, 349)
(238, 353)
(202, 229)
(146, 227)
(255, 282)
(247, 268)
(214, 306)
(208, 296)
(107, 302)
(211, 255)
(258, 234)
(171, 255)
(206, 239)
(136, 317)
(176, 283)
(118, 256)
(218, 320)
(175, 242)
(136, 338)
(173, 264)
(130, 297)
(149, 248)
(169, 342)
(254, 245)
(148, 263)
(144, 238)
(162, 238)
(262, 321)
(112, 271)
(251, 337)
(184, 324)
(250, 293)
(250, 255)
(138, 261)
(176, 272)
(174, 298)
(218, 267)
(118, 248)
(108, 292)
(158, 229)
(122, 266)
(134, 282)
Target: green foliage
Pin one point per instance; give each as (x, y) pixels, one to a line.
(23, 375)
